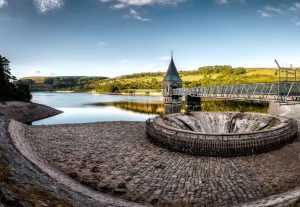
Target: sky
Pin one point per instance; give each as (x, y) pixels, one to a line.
(117, 37)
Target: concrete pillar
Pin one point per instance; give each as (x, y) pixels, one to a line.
(192, 103)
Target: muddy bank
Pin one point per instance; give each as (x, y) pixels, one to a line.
(26, 112)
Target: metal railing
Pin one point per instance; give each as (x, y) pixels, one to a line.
(285, 91)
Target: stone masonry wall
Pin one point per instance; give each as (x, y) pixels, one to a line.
(220, 144)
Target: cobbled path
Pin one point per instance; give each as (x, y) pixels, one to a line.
(116, 158)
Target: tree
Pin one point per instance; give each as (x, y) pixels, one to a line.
(5, 75)
(10, 89)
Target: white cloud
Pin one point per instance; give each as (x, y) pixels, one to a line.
(45, 6)
(3, 3)
(134, 14)
(165, 58)
(222, 1)
(125, 61)
(119, 4)
(269, 10)
(289, 10)
(295, 7)
(263, 13)
(102, 43)
(296, 21)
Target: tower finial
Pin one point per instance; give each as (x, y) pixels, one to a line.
(171, 54)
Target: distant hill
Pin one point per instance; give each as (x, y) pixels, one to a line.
(151, 82)
(61, 83)
(209, 75)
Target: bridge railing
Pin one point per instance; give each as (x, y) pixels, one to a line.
(281, 91)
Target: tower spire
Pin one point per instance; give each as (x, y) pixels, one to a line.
(172, 73)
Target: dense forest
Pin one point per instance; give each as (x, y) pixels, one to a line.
(152, 81)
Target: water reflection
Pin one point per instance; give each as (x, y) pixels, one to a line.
(207, 105)
(234, 105)
(85, 107)
(140, 107)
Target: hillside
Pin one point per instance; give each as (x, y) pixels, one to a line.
(61, 83)
(151, 82)
(211, 75)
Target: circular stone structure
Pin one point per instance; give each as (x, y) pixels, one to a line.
(221, 133)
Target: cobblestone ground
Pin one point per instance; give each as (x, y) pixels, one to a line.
(116, 158)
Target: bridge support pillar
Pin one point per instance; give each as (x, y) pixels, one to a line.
(192, 103)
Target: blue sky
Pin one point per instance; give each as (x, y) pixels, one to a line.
(115, 37)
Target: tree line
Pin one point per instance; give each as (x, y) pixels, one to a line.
(10, 88)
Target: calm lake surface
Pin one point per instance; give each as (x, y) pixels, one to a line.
(88, 107)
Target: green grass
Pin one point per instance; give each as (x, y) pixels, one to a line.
(152, 82)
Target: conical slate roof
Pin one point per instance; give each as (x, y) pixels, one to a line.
(172, 73)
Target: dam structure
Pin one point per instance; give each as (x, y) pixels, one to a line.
(282, 92)
(222, 133)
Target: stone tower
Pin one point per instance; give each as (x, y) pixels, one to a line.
(172, 80)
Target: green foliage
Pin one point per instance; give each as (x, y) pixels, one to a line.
(224, 69)
(138, 75)
(64, 83)
(204, 76)
(23, 91)
(9, 88)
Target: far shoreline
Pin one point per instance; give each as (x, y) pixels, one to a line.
(139, 93)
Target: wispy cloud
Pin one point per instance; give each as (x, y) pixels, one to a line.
(164, 58)
(224, 2)
(296, 21)
(280, 9)
(119, 4)
(134, 14)
(125, 61)
(295, 6)
(269, 10)
(132, 5)
(288, 10)
(44, 6)
(221, 1)
(3, 3)
(102, 43)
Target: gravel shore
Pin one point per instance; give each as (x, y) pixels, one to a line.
(117, 159)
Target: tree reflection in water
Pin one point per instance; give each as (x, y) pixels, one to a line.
(207, 105)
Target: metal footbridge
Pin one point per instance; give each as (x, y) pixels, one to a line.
(281, 91)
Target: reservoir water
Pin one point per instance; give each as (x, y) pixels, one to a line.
(88, 107)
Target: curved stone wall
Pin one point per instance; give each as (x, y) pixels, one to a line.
(220, 144)
(17, 133)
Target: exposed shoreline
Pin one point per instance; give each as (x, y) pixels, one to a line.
(43, 184)
(273, 172)
(26, 112)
